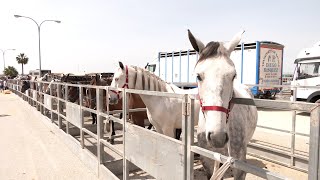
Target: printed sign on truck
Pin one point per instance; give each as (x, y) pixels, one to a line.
(270, 71)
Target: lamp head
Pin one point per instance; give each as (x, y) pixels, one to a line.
(17, 16)
(57, 21)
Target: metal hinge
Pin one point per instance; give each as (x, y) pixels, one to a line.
(186, 109)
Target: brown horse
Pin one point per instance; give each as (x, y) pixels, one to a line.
(90, 101)
(134, 100)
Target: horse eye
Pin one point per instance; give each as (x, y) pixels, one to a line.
(234, 77)
(199, 77)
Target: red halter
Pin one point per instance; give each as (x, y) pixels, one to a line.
(126, 85)
(215, 108)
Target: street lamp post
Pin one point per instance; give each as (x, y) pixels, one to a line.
(4, 61)
(39, 26)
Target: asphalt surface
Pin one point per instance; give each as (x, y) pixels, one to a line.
(29, 150)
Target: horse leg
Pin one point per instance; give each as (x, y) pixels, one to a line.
(238, 174)
(94, 117)
(169, 132)
(113, 133)
(137, 119)
(154, 123)
(178, 133)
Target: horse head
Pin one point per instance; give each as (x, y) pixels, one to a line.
(25, 86)
(123, 78)
(215, 74)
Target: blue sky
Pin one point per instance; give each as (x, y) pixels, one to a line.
(95, 34)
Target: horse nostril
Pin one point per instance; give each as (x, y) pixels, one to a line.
(209, 136)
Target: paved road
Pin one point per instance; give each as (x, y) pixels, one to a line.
(29, 150)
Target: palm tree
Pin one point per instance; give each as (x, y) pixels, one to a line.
(22, 59)
(10, 71)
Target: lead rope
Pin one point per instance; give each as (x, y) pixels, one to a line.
(223, 169)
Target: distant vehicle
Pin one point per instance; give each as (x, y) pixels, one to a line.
(286, 79)
(256, 63)
(261, 63)
(37, 72)
(307, 73)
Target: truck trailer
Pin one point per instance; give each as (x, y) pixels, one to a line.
(260, 62)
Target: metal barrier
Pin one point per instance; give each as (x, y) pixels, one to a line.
(176, 160)
(286, 158)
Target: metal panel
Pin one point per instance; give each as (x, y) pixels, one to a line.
(314, 157)
(47, 101)
(34, 95)
(158, 155)
(73, 114)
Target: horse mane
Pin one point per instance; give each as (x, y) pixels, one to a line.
(146, 80)
(212, 49)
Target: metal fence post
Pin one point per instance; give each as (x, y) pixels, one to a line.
(190, 154)
(66, 91)
(293, 130)
(111, 137)
(314, 144)
(187, 131)
(59, 108)
(51, 101)
(184, 126)
(40, 96)
(124, 116)
(81, 117)
(99, 100)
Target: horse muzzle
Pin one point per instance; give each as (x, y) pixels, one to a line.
(113, 100)
(217, 140)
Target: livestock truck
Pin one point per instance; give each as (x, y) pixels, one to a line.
(307, 73)
(260, 62)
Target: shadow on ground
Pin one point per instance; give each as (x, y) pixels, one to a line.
(257, 163)
(4, 115)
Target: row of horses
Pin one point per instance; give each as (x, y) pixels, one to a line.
(222, 126)
(89, 94)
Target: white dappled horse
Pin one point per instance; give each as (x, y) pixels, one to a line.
(164, 113)
(223, 127)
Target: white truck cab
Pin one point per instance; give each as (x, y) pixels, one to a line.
(307, 73)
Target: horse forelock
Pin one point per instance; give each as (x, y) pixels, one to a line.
(212, 49)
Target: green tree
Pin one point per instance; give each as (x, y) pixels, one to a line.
(22, 59)
(10, 71)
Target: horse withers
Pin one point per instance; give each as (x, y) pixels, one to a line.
(223, 127)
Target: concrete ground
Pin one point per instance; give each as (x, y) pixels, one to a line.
(29, 150)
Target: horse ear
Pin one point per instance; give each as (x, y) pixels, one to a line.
(121, 65)
(196, 44)
(234, 42)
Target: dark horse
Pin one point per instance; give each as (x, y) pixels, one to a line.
(134, 100)
(90, 101)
